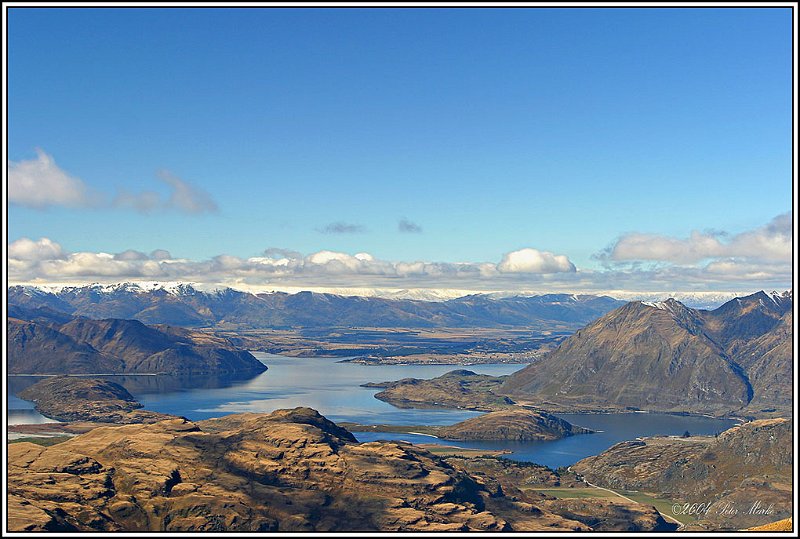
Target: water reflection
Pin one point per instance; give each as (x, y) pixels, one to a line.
(142, 384)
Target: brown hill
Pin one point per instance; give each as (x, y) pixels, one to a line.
(68, 398)
(86, 346)
(648, 356)
(784, 525)
(36, 348)
(456, 389)
(292, 470)
(664, 356)
(511, 424)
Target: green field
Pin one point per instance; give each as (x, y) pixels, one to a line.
(580, 492)
(664, 506)
(448, 450)
(42, 440)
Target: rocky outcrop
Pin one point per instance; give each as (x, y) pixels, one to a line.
(292, 470)
(516, 424)
(745, 465)
(84, 399)
(456, 389)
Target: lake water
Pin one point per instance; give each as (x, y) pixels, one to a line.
(333, 389)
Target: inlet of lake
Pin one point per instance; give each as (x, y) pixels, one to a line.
(333, 388)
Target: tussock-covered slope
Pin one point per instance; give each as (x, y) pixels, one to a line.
(664, 356)
(292, 470)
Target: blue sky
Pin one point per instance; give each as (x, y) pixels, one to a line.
(562, 131)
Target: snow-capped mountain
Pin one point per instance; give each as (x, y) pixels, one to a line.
(185, 304)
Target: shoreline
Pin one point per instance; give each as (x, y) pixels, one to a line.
(91, 374)
(738, 419)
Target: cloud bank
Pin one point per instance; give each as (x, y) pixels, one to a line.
(755, 259)
(41, 184)
(769, 243)
(763, 254)
(44, 260)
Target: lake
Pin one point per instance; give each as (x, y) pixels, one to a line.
(333, 389)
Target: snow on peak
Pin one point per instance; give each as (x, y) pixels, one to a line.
(671, 305)
(176, 288)
(776, 296)
(656, 304)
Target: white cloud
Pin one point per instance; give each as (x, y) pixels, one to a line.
(183, 197)
(99, 265)
(534, 261)
(771, 242)
(40, 183)
(27, 249)
(186, 197)
(44, 261)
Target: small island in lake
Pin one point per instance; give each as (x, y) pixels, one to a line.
(514, 424)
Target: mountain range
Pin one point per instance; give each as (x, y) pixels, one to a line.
(41, 341)
(184, 305)
(665, 356)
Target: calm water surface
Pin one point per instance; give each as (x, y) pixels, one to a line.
(612, 428)
(333, 389)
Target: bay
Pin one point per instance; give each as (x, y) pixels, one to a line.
(332, 388)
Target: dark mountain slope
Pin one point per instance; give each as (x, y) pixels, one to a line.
(665, 356)
(35, 348)
(83, 346)
(768, 361)
(741, 320)
(649, 356)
